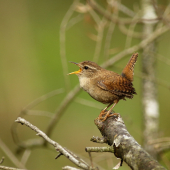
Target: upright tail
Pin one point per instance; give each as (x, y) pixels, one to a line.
(128, 71)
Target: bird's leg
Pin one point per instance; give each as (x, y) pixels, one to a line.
(108, 113)
(103, 112)
(107, 107)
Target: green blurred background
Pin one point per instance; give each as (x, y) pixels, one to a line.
(30, 66)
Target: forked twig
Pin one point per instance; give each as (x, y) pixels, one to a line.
(57, 146)
(131, 50)
(117, 20)
(27, 109)
(10, 155)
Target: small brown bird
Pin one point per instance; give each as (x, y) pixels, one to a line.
(106, 86)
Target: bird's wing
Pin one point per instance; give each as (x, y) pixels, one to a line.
(117, 85)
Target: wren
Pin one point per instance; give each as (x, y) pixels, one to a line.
(106, 86)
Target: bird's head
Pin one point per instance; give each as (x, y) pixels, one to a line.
(87, 69)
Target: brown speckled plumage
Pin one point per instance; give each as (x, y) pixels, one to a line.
(107, 86)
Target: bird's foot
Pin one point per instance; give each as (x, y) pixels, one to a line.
(104, 114)
(109, 115)
(113, 114)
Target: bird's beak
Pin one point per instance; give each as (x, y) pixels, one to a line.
(76, 72)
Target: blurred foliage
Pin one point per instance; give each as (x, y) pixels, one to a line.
(30, 66)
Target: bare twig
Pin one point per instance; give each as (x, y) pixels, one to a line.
(159, 140)
(76, 156)
(130, 50)
(70, 168)
(157, 80)
(121, 7)
(117, 20)
(10, 155)
(98, 139)
(109, 33)
(108, 40)
(130, 33)
(163, 147)
(41, 99)
(9, 168)
(53, 143)
(163, 59)
(95, 17)
(165, 160)
(62, 41)
(26, 156)
(64, 104)
(2, 160)
(60, 154)
(30, 106)
(39, 113)
(160, 144)
(126, 31)
(91, 160)
(118, 165)
(100, 149)
(74, 21)
(165, 16)
(29, 144)
(100, 29)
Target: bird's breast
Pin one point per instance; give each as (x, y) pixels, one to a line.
(84, 83)
(90, 86)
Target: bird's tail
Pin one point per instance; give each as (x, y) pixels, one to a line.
(128, 71)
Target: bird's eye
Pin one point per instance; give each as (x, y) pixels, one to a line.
(85, 67)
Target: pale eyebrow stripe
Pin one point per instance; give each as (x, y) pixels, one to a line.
(91, 67)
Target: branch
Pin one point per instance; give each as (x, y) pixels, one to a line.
(109, 34)
(116, 19)
(69, 168)
(27, 108)
(58, 147)
(65, 103)
(121, 7)
(125, 146)
(9, 168)
(134, 48)
(98, 139)
(10, 155)
(126, 31)
(63, 27)
(6, 167)
(99, 149)
(2, 160)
